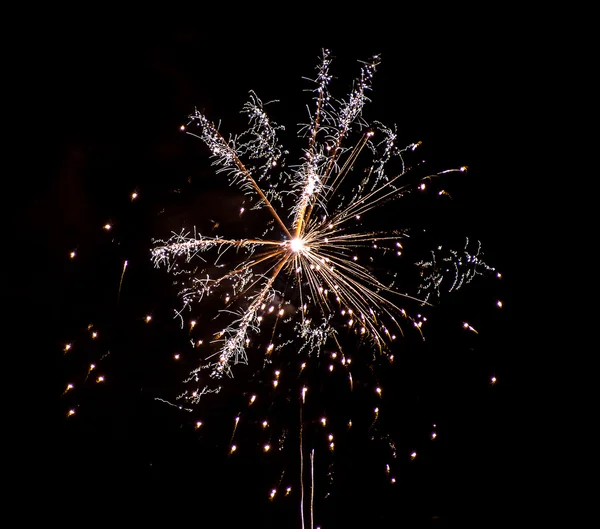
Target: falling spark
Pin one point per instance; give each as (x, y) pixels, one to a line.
(121, 281)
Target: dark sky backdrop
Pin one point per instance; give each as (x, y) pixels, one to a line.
(109, 107)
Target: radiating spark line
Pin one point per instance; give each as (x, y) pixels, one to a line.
(312, 487)
(178, 406)
(245, 173)
(301, 464)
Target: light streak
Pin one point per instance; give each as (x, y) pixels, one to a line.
(121, 282)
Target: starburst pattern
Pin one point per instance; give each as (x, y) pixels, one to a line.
(309, 294)
(304, 267)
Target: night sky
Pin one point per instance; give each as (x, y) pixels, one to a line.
(110, 106)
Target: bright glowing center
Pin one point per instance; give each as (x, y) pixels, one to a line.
(296, 245)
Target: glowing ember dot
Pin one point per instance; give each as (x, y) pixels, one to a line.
(463, 168)
(198, 424)
(272, 495)
(67, 347)
(252, 399)
(267, 447)
(193, 324)
(323, 421)
(433, 435)
(233, 448)
(72, 255)
(378, 391)
(413, 455)
(70, 412)
(281, 312)
(94, 334)
(107, 227)
(288, 490)
(176, 356)
(134, 195)
(182, 127)
(493, 380)
(265, 423)
(297, 245)
(330, 437)
(393, 480)
(499, 304)
(100, 379)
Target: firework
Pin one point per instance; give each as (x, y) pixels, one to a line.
(310, 292)
(304, 268)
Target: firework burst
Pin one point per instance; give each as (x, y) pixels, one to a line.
(308, 296)
(304, 268)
